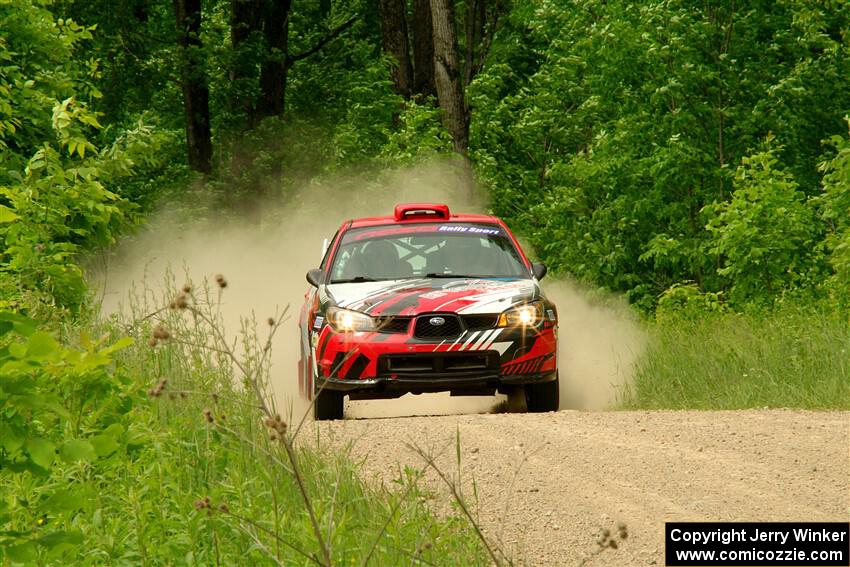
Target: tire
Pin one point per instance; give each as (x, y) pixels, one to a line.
(328, 405)
(542, 397)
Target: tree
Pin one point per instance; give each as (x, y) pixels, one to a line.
(246, 33)
(396, 44)
(193, 79)
(276, 60)
(423, 49)
(766, 233)
(447, 75)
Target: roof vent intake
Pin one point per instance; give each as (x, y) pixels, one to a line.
(419, 211)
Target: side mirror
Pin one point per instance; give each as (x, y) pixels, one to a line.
(314, 276)
(539, 270)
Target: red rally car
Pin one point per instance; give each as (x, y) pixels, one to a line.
(426, 301)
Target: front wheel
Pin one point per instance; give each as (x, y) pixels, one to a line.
(542, 397)
(328, 405)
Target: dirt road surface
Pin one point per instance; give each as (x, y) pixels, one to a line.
(549, 483)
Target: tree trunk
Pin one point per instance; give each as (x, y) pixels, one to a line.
(196, 95)
(394, 32)
(275, 65)
(245, 25)
(423, 49)
(447, 75)
(475, 14)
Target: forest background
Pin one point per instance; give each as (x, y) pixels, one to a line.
(690, 156)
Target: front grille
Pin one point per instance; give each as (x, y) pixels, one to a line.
(479, 322)
(395, 324)
(392, 324)
(438, 363)
(437, 326)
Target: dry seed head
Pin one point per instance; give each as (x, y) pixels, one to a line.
(180, 301)
(276, 424)
(270, 321)
(161, 333)
(273, 435)
(612, 544)
(220, 281)
(156, 391)
(153, 342)
(187, 287)
(223, 507)
(606, 533)
(208, 416)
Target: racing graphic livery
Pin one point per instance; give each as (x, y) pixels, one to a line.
(426, 301)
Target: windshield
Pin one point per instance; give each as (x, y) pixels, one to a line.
(426, 250)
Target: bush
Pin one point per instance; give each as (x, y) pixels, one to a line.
(64, 415)
(767, 235)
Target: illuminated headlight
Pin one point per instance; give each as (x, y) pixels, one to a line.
(346, 320)
(528, 315)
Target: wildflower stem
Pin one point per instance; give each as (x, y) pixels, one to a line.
(305, 495)
(461, 502)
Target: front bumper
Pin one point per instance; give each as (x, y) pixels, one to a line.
(430, 382)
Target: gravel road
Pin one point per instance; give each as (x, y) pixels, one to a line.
(549, 483)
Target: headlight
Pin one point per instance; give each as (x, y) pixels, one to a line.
(528, 315)
(346, 320)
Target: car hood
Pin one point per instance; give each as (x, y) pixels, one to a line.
(415, 296)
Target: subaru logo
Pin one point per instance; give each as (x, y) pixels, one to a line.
(437, 321)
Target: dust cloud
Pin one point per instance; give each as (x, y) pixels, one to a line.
(265, 253)
(599, 341)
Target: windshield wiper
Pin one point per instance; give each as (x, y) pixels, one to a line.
(436, 275)
(356, 279)
(468, 276)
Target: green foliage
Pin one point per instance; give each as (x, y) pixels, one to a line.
(193, 475)
(60, 409)
(766, 234)
(93, 473)
(61, 205)
(686, 301)
(61, 173)
(37, 68)
(419, 135)
(835, 211)
(604, 129)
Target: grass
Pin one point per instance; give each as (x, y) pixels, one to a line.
(260, 495)
(792, 357)
(204, 475)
